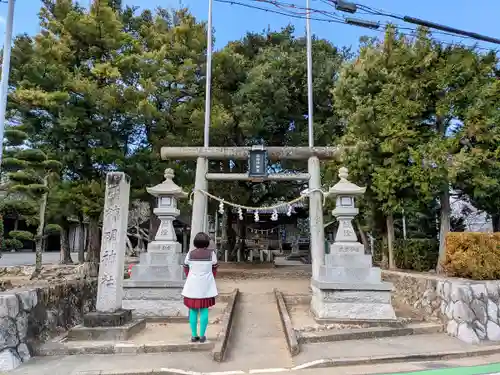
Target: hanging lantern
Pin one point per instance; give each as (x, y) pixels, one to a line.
(289, 211)
(221, 208)
(274, 216)
(256, 216)
(240, 213)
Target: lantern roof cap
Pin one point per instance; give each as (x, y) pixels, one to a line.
(167, 187)
(345, 187)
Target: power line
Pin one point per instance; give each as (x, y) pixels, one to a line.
(332, 18)
(429, 24)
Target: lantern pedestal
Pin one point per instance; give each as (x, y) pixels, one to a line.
(155, 285)
(348, 287)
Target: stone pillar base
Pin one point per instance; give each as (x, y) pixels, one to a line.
(107, 319)
(154, 299)
(352, 301)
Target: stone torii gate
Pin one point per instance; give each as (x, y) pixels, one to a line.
(312, 154)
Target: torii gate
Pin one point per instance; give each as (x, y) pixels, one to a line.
(311, 153)
(313, 156)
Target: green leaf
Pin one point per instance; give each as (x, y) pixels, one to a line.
(21, 235)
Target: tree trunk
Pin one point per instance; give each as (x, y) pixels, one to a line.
(65, 249)
(81, 243)
(495, 222)
(94, 245)
(390, 240)
(242, 232)
(39, 230)
(154, 222)
(362, 235)
(444, 227)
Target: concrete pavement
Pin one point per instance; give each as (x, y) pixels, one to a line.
(28, 258)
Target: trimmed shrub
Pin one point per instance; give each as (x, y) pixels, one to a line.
(416, 254)
(473, 255)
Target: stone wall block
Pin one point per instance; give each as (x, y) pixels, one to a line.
(9, 359)
(492, 310)
(28, 299)
(460, 292)
(452, 328)
(493, 331)
(8, 333)
(446, 290)
(24, 352)
(492, 289)
(480, 311)
(449, 310)
(480, 329)
(439, 288)
(462, 312)
(467, 334)
(479, 292)
(9, 305)
(22, 326)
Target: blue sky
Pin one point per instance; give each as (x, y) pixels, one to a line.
(232, 21)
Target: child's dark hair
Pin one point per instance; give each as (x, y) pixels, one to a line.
(201, 240)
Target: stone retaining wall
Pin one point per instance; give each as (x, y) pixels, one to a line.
(31, 316)
(470, 310)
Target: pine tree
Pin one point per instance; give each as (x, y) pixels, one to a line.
(30, 176)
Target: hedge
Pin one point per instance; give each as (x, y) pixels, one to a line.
(473, 255)
(416, 254)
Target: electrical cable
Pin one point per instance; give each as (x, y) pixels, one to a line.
(334, 18)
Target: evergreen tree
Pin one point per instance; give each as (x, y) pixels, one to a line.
(31, 174)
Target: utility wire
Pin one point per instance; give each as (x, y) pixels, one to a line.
(431, 25)
(378, 12)
(332, 18)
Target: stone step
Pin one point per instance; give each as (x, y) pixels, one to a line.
(348, 260)
(368, 333)
(350, 274)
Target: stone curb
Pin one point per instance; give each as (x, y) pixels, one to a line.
(57, 349)
(452, 354)
(286, 322)
(227, 320)
(368, 333)
(321, 363)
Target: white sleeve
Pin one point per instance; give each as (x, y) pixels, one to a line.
(186, 260)
(214, 257)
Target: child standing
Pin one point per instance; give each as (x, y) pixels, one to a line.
(199, 291)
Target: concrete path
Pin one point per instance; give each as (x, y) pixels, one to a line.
(28, 258)
(256, 333)
(261, 353)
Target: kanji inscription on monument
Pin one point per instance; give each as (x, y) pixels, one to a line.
(114, 232)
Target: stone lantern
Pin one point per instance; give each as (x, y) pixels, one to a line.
(155, 284)
(345, 211)
(349, 288)
(167, 193)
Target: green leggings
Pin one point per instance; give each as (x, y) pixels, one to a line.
(193, 321)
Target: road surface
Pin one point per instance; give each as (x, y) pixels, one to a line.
(28, 258)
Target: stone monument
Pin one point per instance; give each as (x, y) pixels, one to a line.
(155, 285)
(348, 287)
(110, 321)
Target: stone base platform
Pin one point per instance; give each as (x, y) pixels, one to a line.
(107, 319)
(154, 338)
(152, 299)
(118, 333)
(366, 301)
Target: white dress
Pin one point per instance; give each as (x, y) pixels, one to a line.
(200, 282)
